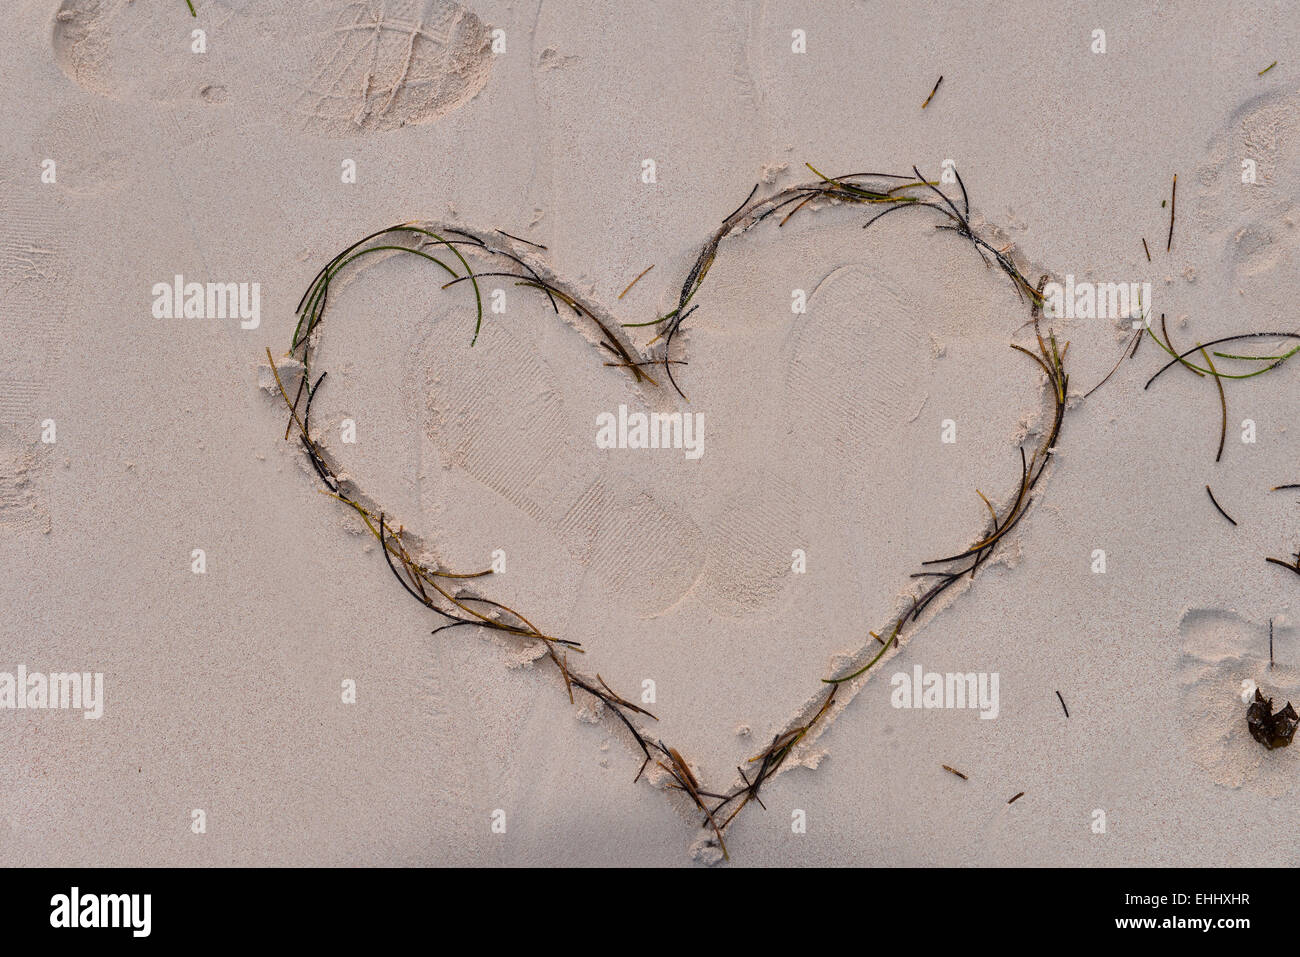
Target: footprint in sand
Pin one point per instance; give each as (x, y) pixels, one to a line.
(651, 526)
(1222, 652)
(384, 64)
(519, 419)
(862, 330)
(133, 51)
(368, 65)
(24, 484)
(1256, 225)
(881, 361)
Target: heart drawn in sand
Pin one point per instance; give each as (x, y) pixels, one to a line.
(464, 599)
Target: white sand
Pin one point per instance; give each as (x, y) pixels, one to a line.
(822, 432)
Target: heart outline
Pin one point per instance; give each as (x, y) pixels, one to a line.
(858, 188)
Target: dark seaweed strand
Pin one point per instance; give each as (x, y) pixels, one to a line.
(1223, 403)
(855, 188)
(311, 307)
(1218, 342)
(1173, 203)
(414, 576)
(960, 565)
(742, 205)
(1210, 493)
(1049, 357)
(1288, 565)
(520, 239)
(1212, 370)
(420, 580)
(748, 214)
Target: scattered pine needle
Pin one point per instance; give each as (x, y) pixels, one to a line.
(956, 772)
(1147, 248)
(1173, 203)
(635, 281)
(1218, 506)
(1267, 68)
(1016, 798)
(1063, 707)
(1132, 345)
(932, 93)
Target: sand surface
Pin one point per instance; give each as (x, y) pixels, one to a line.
(822, 431)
